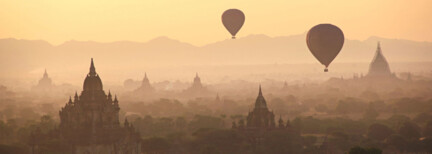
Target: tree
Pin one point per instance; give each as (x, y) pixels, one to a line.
(47, 123)
(427, 131)
(422, 117)
(410, 130)
(280, 142)
(218, 141)
(321, 108)
(396, 120)
(200, 121)
(7, 149)
(360, 150)
(180, 123)
(379, 131)
(370, 114)
(427, 144)
(155, 145)
(396, 141)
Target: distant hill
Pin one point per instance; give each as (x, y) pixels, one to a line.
(22, 56)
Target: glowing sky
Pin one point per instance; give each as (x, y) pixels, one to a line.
(198, 21)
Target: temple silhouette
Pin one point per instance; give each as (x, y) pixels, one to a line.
(197, 89)
(45, 83)
(90, 122)
(260, 118)
(379, 67)
(197, 83)
(145, 87)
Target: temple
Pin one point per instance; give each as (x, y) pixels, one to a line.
(285, 86)
(44, 84)
(260, 118)
(379, 67)
(145, 87)
(197, 82)
(197, 89)
(90, 122)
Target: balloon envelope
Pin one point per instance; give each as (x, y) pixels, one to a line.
(325, 42)
(233, 20)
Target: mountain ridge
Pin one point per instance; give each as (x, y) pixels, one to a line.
(162, 51)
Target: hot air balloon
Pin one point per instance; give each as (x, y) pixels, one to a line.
(325, 42)
(233, 20)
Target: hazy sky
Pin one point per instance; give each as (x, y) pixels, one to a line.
(198, 21)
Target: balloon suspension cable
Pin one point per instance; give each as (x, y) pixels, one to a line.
(233, 37)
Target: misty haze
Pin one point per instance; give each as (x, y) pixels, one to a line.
(222, 77)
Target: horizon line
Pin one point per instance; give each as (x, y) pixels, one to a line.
(173, 39)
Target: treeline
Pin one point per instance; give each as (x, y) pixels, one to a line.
(212, 134)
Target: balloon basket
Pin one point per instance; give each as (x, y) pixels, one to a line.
(233, 37)
(326, 70)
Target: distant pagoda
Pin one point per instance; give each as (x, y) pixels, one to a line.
(285, 86)
(379, 67)
(197, 82)
(45, 83)
(197, 89)
(145, 85)
(260, 118)
(90, 123)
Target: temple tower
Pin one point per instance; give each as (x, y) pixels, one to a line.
(91, 121)
(379, 66)
(145, 85)
(260, 117)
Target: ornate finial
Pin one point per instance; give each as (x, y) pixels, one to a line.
(115, 99)
(109, 95)
(76, 96)
(70, 99)
(45, 74)
(145, 80)
(196, 75)
(379, 47)
(92, 68)
(260, 92)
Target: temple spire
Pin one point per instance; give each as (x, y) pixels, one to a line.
(260, 101)
(109, 95)
(45, 74)
(145, 80)
(260, 92)
(379, 46)
(76, 97)
(92, 68)
(379, 65)
(217, 97)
